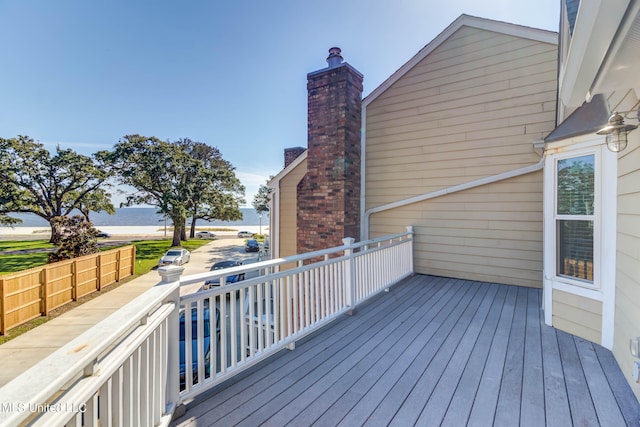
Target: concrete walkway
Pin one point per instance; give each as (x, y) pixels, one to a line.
(23, 352)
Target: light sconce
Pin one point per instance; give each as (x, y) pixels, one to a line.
(616, 132)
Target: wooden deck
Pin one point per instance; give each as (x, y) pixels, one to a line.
(432, 351)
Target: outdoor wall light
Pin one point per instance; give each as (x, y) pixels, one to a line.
(616, 132)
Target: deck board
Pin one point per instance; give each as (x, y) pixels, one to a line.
(436, 332)
(601, 395)
(508, 406)
(620, 388)
(336, 401)
(462, 400)
(432, 351)
(436, 408)
(557, 411)
(532, 405)
(484, 405)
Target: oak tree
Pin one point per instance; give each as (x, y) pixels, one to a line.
(179, 178)
(49, 185)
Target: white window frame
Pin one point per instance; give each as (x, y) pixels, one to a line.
(596, 218)
(604, 238)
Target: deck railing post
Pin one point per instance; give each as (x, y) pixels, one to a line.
(169, 275)
(410, 230)
(349, 274)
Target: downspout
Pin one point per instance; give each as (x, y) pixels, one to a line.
(364, 224)
(538, 147)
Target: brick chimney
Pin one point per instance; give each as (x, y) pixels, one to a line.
(290, 154)
(329, 194)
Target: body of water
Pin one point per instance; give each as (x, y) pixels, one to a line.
(126, 217)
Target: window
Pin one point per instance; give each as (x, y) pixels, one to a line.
(574, 216)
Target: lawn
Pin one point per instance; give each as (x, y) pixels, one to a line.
(18, 245)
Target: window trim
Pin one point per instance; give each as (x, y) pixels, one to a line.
(595, 217)
(605, 233)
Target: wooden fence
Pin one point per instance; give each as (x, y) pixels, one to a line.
(35, 292)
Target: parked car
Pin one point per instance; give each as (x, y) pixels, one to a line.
(242, 234)
(194, 342)
(102, 234)
(252, 245)
(205, 235)
(234, 278)
(176, 256)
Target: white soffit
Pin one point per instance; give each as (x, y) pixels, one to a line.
(596, 26)
(621, 67)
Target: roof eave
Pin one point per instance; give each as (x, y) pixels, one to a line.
(595, 28)
(469, 21)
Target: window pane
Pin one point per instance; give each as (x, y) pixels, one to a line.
(575, 249)
(575, 185)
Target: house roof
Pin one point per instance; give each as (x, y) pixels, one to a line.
(587, 119)
(469, 21)
(572, 13)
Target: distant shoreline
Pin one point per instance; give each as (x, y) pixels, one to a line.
(31, 233)
(145, 217)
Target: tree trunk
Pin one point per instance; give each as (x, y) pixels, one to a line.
(192, 232)
(177, 234)
(56, 230)
(179, 219)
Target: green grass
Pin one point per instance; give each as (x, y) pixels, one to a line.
(148, 252)
(18, 245)
(18, 262)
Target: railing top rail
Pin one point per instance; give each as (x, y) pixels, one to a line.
(200, 277)
(232, 287)
(40, 382)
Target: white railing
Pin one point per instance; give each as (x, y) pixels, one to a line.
(122, 371)
(134, 367)
(259, 316)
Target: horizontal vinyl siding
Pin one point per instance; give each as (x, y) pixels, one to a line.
(478, 234)
(288, 209)
(627, 309)
(577, 315)
(471, 109)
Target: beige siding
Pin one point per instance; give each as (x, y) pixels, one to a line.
(471, 109)
(288, 209)
(627, 311)
(491, 233)
(577, 315)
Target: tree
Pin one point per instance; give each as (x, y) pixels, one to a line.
(216, 192)
(97, 201)
(261, 199)
(170, 176)
(79, 239)
(49, 186)
(6, 196)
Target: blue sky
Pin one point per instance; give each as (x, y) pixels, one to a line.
(232, 74)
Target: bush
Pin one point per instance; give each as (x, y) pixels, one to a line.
(79, 239)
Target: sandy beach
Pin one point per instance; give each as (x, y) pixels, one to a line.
(33, 233)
